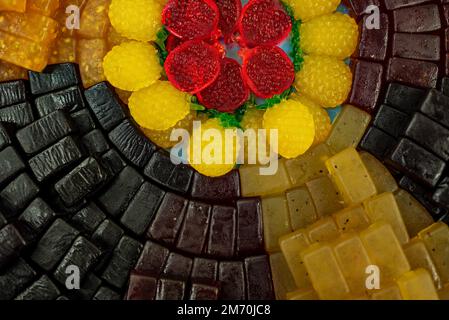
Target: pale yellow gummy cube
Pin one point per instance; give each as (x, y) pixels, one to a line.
(323, 230)
(418, 256)
(283, 281)
(415, 216)
(436, 239)
(351, 176)
(348, 129)
(325, 273)
(254, 184)
(352, 218)
(276, 221)
(301, 208)
(384, 208)
(385, 250)
(302, 295)
(353, 260)
(325, 197)
(291, 246)
(390, 292)
(382, 178)
(417, 285)
(308, 166)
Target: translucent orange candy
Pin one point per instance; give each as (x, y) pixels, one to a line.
(44, 7)
(94, 19)
(13, 5)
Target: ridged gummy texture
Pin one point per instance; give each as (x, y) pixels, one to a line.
(264, 22)
(193, 66)
(268, 71)
(191, 19)
(229, 91)
(308, 9)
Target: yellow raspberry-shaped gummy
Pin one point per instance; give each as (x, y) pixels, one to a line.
(132, 66)
(325, 80)
(253, 120)
(333, 35)
(159, 107)
(209, 156)
(136, 19)
(295, 125)
(321, 118)
(308, 9)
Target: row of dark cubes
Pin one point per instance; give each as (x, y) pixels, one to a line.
(410, 133)
(80, 185)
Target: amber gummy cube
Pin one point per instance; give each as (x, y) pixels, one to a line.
(276, 221)
(13, 5)
(301, 208)
(350, 176)
(94, 19)
(45, 7)
(90, 54)
(417, 285)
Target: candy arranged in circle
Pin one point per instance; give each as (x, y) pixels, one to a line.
(230, 11)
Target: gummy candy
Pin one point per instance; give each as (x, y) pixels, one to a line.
(267, 71)
(307, 9)
(13, 5)
(228, 91)
(193, 66)
(230, 11)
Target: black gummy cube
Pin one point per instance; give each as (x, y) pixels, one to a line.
(12, 92)
(11, 242)
(55, 159)
(105, 105)
(15, 279)
(249, 227)
(88, 218)
(10, 164)
(142, 208)
(404, 98)
(441, 194)
(42, 289)
(412, 159)
(121, 191)
(44, 132)
(54, 244)
(54, 77)
(18, 194)
(378, 142)
(5, 140)
(113, 161)
(436, 106)
(89, 287)
(152, 260)
(70, 99)
(392, 121)
(35, 219)
(82, 254)
(107, 235)
(105, 293)
(259, 285)
(231, 275)
(83, 121)
(445, 86)
(81, 181)
(132, 144)
(95, 142)
(19, 115)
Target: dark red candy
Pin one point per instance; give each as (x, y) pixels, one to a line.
(228, 92)
(172, 42)
(191, 19)
(230, 11)
(193, 66)
(264, 22)
(268, 71)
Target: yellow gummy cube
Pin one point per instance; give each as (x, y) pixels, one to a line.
(283, 281)
(382, 178)
(13, 5)
(436, 239)
(29, 25)
(325, 197)
(94, 19)
(390, 292)
(417, 285)
(254, 184)
(353, 260)
(23, 52)
(301, 208)
(90, 54)
(351, 176)
(276, 221)
(323, 230)
(325, 273)
(444, 293)
(45, 7)
(348, 129)
(418, 256)
(385, 251)
(309, 166)
(291, 246)
(384, 208)
(352, 218)
(303, 295)
(415, 216)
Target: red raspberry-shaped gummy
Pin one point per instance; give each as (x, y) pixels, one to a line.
(193, 66)
(191, 19)
(172, 42)
(228, 92)
(230, 11)
(268, 71)
(264, 22)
